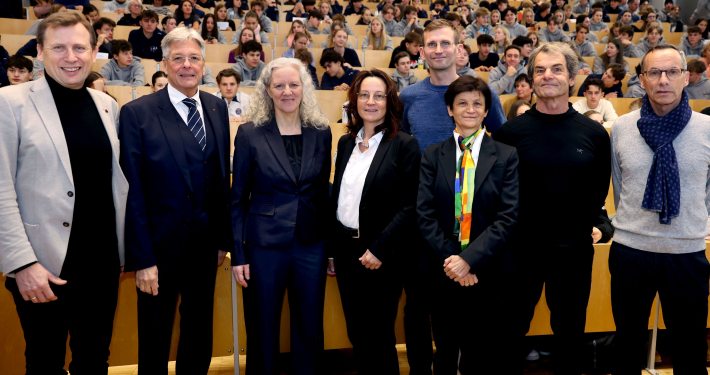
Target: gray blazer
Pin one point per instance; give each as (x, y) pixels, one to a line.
(35, 176)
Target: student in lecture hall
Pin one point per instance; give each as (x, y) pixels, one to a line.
(593, 101)
(19, 70)
(124, 69)
(132, 18)
(337, 75)
(402, 74)
(611, 78)
(250, 66)
(484, 60)
(146, 41)
(185, 15)
(613, 54)
(518, 108)
(158, 81)
(237, 102)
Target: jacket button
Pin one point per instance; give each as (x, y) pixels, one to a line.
(66, 224)
(70, 194)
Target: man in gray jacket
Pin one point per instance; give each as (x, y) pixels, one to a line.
(698, 86)
(510, 23)
(502, 78)
(250, 67)
(124, 69)
(660, 158)
(553, 33)
(584, 47)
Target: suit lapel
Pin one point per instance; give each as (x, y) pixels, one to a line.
(486, 159)
(375, 165)
(212, 119)
(309, 149)
(43, 101)
(170, 120)
(273, 137)
(447, 163)
(340, 169)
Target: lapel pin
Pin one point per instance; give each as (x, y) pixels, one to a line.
(106, 110)
(214, 109)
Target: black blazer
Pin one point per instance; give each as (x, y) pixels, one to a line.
(160, 202)
(268, 202)
(387, 205)
(495, 206)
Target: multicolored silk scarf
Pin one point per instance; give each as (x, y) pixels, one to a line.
(465, 175)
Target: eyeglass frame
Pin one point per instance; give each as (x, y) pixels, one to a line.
(180, 60)
(664, 71)
(369, 95)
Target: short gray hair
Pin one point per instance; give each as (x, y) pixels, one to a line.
(661, 47)
(181, 35)
(556, 48)
(135, 1)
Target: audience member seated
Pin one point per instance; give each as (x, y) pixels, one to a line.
(702, 23)
(411, 43)
(91, 13)
(514, 28)
(251, 20)
(123, 69)
(543, 14)
(146, 40)
(237, 102)
(559, 16)
(355, 7)
(210, 31)
(168, 23)
(250, 66)
(208, 79)
(343, 23)
(382, 3)
(438, 10)
(594, 115)
(529, 20)
(698, 85)
(421, 12)
(613, 32)
(97, 82)
(596, 23)
(246, 34)
(626, 36)
(705, 58)
(300, 42)
(523, 89)
(56, 8)
(377, 38)
(599, 5)
(300, 10)
(118, 6)
(502, 78)
(484, 60)
(349, 55)
(132, 18)
(158, 81)
(463, 67)
(159, 8)
(584, 20)
(583, 67)
(673, 18)
(654, 37)
(235, 11)
(402, 76)
(315, 17)
(612, 55)
(19, 70)
(584, 47)
(307, 58)
(365, 18)
(502, 39)
(409, 22)
(593, 93)
(185, 15)
(336, 77)
(257, 7)
(327, 11)
(390, 24)
(552, 32)
(337, 25)
(633, 85)
(518, 108)
(41, 9)
(691, 44)
(612, 8)
(220, 12)
(627, 19)
(480, 26)
(204, 4)
(611, 78)
(297, 27)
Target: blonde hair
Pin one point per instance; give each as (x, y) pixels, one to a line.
(506, 42)
(384, 38)
(261, 111)
(333, 30)
(330, 9)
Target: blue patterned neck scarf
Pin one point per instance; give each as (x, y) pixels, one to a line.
(662, 193)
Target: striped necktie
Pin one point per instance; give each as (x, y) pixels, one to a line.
(194, 122)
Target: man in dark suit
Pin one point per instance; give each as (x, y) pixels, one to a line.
(175, 151)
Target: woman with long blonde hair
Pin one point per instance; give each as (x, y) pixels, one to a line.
(329, 43)
(501, 36)
(377, 38)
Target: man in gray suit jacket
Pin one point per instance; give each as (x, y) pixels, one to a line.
(62, 203)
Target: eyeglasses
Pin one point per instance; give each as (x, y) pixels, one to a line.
(655, 74)
(179, 60)
(365, 96)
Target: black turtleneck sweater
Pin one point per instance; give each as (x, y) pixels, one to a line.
(93, 228)
(565, 167)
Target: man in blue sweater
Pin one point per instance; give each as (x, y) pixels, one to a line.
(425, 115)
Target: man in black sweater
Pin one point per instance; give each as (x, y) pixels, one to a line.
(565, 166)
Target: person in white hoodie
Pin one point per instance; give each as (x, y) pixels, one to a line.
(691, 44)
(510, 23)
(118, 6)
(698, 86)
(402, 75)
(250, 67)
(237, 102)
(553, 33)
(124, 69)
(502, 78)
(593, 93)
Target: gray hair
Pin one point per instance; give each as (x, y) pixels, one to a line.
(661, 47)
(556, 48)
(130, 2)
(181, 35)
(261, 110)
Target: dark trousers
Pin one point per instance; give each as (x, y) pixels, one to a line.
(681, 281)
(84, 309)
(302, 270)
(370, 300)
(192, 277)
(566, 273)
(472, 320)
(417, 323)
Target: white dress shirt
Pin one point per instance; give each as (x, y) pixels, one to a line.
(354, 180)
(475, 149)
(176, 97)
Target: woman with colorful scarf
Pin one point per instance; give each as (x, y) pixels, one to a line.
(467, 207)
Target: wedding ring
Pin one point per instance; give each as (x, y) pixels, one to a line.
(34, 298)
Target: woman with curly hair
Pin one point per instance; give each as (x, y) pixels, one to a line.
(280, 215)
(369, 259)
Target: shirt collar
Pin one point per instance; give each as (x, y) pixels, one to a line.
(374, 140)
(176, 97)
